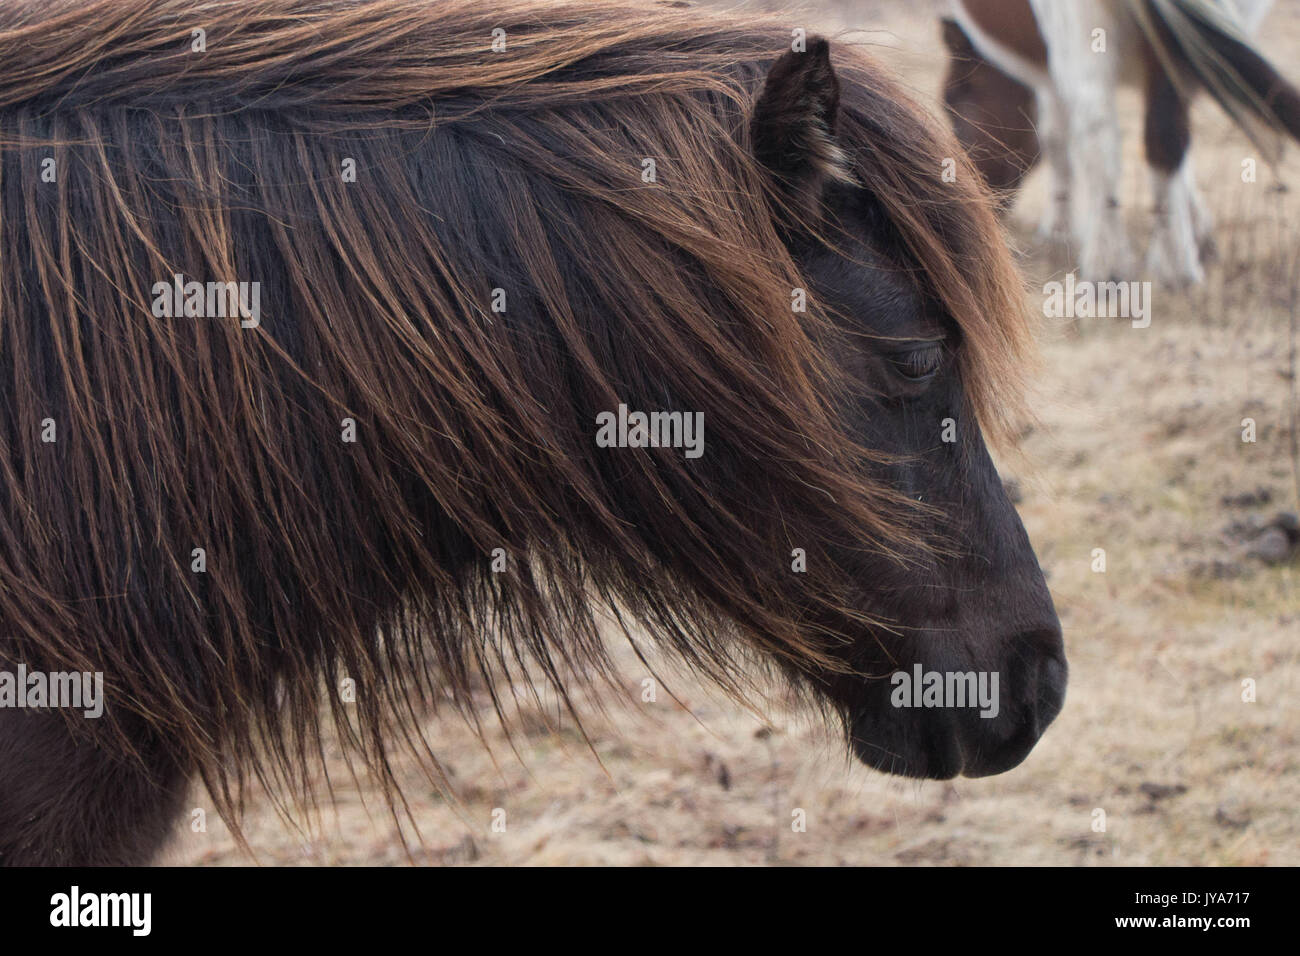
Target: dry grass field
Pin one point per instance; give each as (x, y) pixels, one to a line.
(1137, 450)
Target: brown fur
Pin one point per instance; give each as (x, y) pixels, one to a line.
(992, 114)
(369, 561)
(1012, 23)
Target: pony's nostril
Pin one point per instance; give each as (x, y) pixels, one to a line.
(1053, 674)
(1043, 695)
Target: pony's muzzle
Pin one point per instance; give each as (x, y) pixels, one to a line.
(933, 737)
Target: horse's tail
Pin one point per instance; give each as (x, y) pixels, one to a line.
(1202, 38)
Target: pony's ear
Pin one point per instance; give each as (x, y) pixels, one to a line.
(793, 127)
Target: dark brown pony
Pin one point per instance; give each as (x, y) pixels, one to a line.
(386, 476)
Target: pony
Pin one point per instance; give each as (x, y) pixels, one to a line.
(1074, 56)
(375, 488)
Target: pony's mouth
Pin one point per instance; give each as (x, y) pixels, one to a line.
(939, 741)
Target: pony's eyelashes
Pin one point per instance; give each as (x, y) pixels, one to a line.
(917, 364)
(909, 368)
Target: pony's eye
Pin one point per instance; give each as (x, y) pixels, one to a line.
(918, 364)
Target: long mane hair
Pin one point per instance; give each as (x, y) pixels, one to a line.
(475, 170)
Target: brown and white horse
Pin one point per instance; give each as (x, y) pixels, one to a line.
(994, 115)
(1074, 56)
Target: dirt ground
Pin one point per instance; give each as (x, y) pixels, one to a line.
(1138, 451)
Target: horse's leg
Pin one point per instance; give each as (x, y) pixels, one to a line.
(65, 801)
(1202, 218)
(1053, 135)
(1174, 256)
(1086, 79)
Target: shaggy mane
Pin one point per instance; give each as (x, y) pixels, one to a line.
(475, 171)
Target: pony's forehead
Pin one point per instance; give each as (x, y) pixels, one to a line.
(872, 285)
